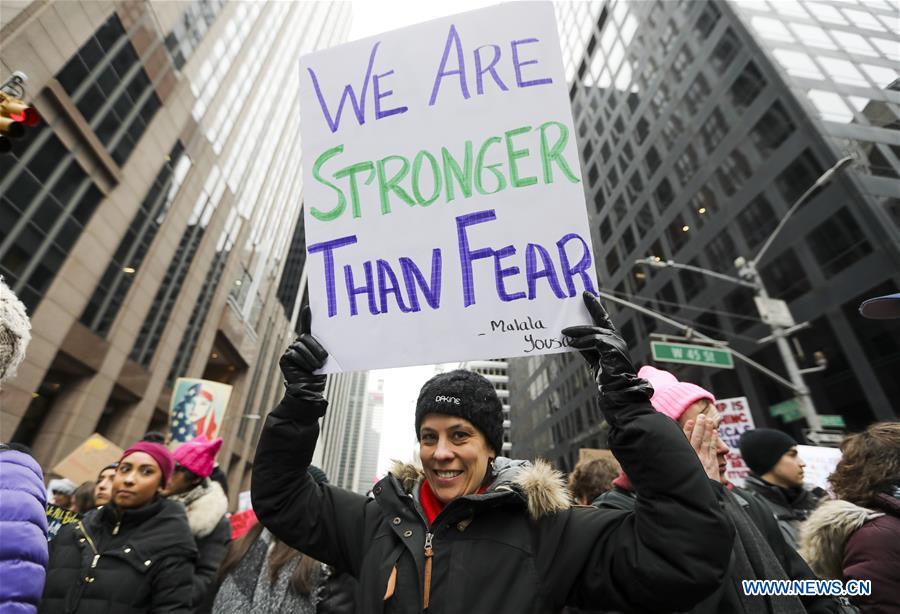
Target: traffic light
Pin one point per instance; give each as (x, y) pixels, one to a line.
(15, 117)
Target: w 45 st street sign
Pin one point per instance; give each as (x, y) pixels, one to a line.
(688, 354)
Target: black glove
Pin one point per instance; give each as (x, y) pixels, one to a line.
(298, 362)
(607, 355)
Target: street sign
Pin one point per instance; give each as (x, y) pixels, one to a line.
(774, 312)
(832, 421)
(789, 410)
(700, 355)
(831, 439)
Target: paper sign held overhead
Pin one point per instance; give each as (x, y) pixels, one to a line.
(444, 207)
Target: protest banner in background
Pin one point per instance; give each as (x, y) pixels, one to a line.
(736, 418)
(820, 463)
(197, 408)
(85, 462)
(444, 208)
(56, 518)
(241, 523)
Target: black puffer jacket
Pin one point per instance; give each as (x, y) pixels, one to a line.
(517, 548)
(791, 506)
(727, 597)
(139, 562)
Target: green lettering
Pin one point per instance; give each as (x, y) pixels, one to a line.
(416, 169)
(351, 172)
(463, 177)
(554, 154)
(479, 167)
(391, 185)
(514, 154)
(317, 175)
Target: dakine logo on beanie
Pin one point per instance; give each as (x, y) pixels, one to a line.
(467, 395)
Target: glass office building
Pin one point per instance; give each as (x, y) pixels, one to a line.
(700, 123)
(151, 223)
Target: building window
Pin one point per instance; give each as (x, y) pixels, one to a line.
(733, 172)
(798, 177)
(725, 52)
(644, 220)
(739, 302)
(707, 20)
(47, 200)
(785, 278)
(612, 260)
(713, 131)
(108, 84)
(599, 200)
(605, 229)
(190, 29)
(696, 94)
(635, 186)
(687, 165)
(620, 209)
(757, 221)
(652, 160)
(678, 232)
(642, 129)
(664, 195)
(721, 252)
(838, 242)
(773, 129)
(628, 241)
(704, 204)
(110, 292)
(692, 282)
(668, 299)
(746, 87)
(682, 62)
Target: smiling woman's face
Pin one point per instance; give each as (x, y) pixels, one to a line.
(454, 454)
(137, 481)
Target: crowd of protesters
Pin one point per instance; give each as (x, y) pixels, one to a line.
(653, 525)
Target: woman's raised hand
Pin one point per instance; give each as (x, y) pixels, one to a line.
(300, 360)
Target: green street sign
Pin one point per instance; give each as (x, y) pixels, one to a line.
(789, 410)
(701, 355)
(833, 421)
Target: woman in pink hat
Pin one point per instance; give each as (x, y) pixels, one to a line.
(134, 554)
(206, 504)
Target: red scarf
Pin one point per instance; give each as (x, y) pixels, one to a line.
(431, 504)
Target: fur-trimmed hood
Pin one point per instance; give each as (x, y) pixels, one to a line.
(540, 486)
(826, 531)
(205, 505)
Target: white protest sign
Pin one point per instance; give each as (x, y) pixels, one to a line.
(444, 208)
(820, 463)
(736, 419)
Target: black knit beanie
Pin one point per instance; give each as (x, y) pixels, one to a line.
(467, 395)
(762, 448)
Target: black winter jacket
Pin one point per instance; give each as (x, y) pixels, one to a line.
(727, 598)
(517, 548)
(141, 562)
(790, 506)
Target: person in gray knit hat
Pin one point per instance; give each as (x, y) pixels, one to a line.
(776, 475)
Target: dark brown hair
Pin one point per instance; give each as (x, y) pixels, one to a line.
(591, 478)
(83, 497)
(304, 577)
(870, 463)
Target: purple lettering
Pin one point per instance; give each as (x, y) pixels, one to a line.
(327, 248)
(479, 71)
(500, 274)
(387, 284)
(518, 65)
(581, 267)
(413, 277)
(368, 288)
(359, 105)
(532, 273)
(467, 256)
(452, 40)
(379, 95)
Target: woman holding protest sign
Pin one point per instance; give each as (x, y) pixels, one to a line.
(475, 532)
(134, 554)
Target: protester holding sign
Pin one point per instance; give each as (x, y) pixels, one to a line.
(23, 543)
(135, 554)
(486, 533)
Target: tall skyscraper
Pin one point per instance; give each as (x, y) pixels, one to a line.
(343, 428)
(152, 224)
(366, 473)
(494, 370)
(699, 125)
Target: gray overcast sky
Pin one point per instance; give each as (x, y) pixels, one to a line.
(372, 17)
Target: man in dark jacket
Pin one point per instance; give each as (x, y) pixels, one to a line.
(759, 551)
(206, 506)
(516, 545)
(777, 478)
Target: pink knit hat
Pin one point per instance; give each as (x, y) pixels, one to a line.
(158, 452)
(198, 455)
(671, 397)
